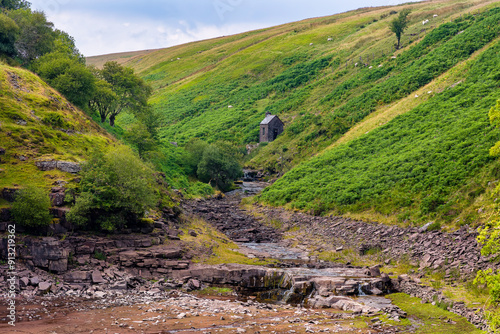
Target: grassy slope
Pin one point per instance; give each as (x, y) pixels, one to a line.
(195, 83)
(325, 103)
(70, 137)
(415, 164)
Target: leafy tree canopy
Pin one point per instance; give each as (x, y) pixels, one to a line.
(218, 167)
(36, 36)
(68, 75)
(14, 4)
(132, 92)
(8, 34)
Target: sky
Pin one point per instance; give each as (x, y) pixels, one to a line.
(110, 26)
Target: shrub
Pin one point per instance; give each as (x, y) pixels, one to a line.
(115, 191)
(218, 168)
(31, 207)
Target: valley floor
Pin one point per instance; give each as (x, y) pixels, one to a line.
(411, 257)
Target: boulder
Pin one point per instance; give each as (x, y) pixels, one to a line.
(64, 166)
(97, 277)
(23, 282)
(68, 167)
(120, 285)
(77, 276)
(44, 286)
(46, 165)
(193, 284)
(374, 271)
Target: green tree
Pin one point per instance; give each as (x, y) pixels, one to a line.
(8, 34)
(132, 92)
(36, 36)
(65, 44)
(115, 190)
(103, 99)
(13, 4)
(68, 75)
(194, 148)
(31, 207)
(218, 168)
(399, 25)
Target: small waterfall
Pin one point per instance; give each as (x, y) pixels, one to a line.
(360, 291)
(288, 294)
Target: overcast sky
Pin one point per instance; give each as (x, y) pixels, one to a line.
(109, 26)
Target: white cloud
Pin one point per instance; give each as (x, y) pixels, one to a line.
(97, 35)
(109, 26)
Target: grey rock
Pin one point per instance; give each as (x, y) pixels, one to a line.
(120, 285)
(46, 165)
(58, 266)
(64, 166)
(77, 276)
(44, 286)
(69, 167)
(97, 277)
(23, 282)
(374, 271)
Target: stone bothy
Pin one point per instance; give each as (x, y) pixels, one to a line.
(270, 128)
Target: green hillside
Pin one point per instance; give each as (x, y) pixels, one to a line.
(370, 131)
(37, 123)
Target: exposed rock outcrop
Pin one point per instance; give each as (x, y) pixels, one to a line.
(65, 166)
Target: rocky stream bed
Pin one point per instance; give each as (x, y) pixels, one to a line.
(146, 282)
